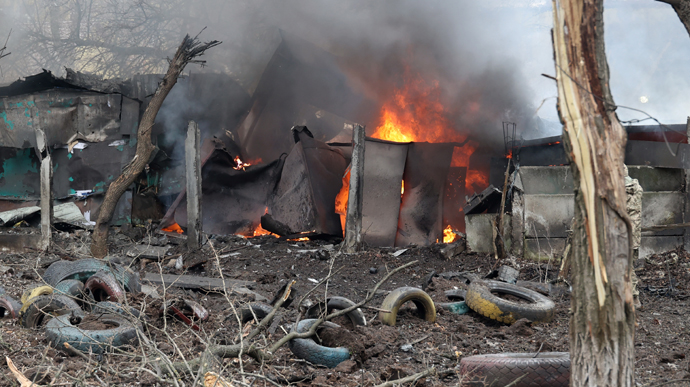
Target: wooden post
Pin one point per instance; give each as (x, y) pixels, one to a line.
(46, 191)
(353, 221)
(193, 173)
(686, 210)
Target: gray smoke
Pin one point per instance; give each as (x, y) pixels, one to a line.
(488, 54)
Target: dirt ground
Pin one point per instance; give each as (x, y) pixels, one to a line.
(379, 352)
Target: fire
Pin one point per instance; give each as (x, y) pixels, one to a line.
(262, 231)
(341, 200)
(402, 188)
(299, 239)
(416, 112)
(241, 165)
(174, 228)
(449, 235)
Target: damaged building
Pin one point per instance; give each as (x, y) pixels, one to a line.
(277, 161)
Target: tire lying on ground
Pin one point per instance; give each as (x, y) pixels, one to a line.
(548, 369)
(338, 303)
(35, 291)
(104, 287)
(248, 312)
(83, 269)
(39, 309)
(481, 297)
(70, 287)
(396, 298)
(10, 306)
(309, 350)
(60, 330)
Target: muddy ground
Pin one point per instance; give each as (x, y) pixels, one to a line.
(380, 352)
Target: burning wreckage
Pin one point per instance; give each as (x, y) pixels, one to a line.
(296, 167)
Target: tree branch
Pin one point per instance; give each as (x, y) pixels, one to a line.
(190, 49)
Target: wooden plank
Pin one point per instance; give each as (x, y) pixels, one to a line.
(353, 222)
(195, 282)
(193, 172)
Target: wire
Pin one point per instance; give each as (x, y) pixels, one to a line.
(649, 116)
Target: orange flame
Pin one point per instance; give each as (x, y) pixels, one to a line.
(416, 112)
(448, 235)
(174, 228)
(259, 231)
(241, 165)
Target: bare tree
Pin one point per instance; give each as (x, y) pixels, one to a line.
(682, 8)
(190, 49)
(603, 317)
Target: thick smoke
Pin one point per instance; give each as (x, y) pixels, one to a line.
(488, 54)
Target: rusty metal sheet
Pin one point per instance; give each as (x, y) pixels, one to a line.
(454, 198)
(233, 201)
(384, 163)
(64, 115)
(421, 211)
(310, 181)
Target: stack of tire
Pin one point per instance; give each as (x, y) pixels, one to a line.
(73, 290)
(541, 369)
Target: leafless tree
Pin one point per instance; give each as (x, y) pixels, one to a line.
(120, 38)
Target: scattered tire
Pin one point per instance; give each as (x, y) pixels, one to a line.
(60, 330)
(35, 291)
(83, 269)
(248, 312)
(481, 298)
(399, 296)
(309, 350)
(338, 303)
(104, 287)
(9, 306)
(70, 287)
(39, 309)
(109, 307)
(456, 294)
(548, 369)
(459, 307)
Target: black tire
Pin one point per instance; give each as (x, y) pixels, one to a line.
(10, 306)
(548, 369)
(456, 294)
(309, 350)
(59, 331)
(104, 287)
(399, 296)
(248, 312)
(109, 307)
(39, 309)
(70, 287)
(338, 303)
(481, 298)
(35, 290)
(83, 269)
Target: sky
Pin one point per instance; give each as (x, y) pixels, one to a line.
(647, 47)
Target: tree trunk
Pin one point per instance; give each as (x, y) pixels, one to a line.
(682, 8)
(186, 52)
(603, 317)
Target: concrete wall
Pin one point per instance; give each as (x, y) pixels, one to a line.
(543, 209)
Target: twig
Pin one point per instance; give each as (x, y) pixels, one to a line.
(411, 378)
(668, 382)
(514, 382)
(342, 312)
(74, 351)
